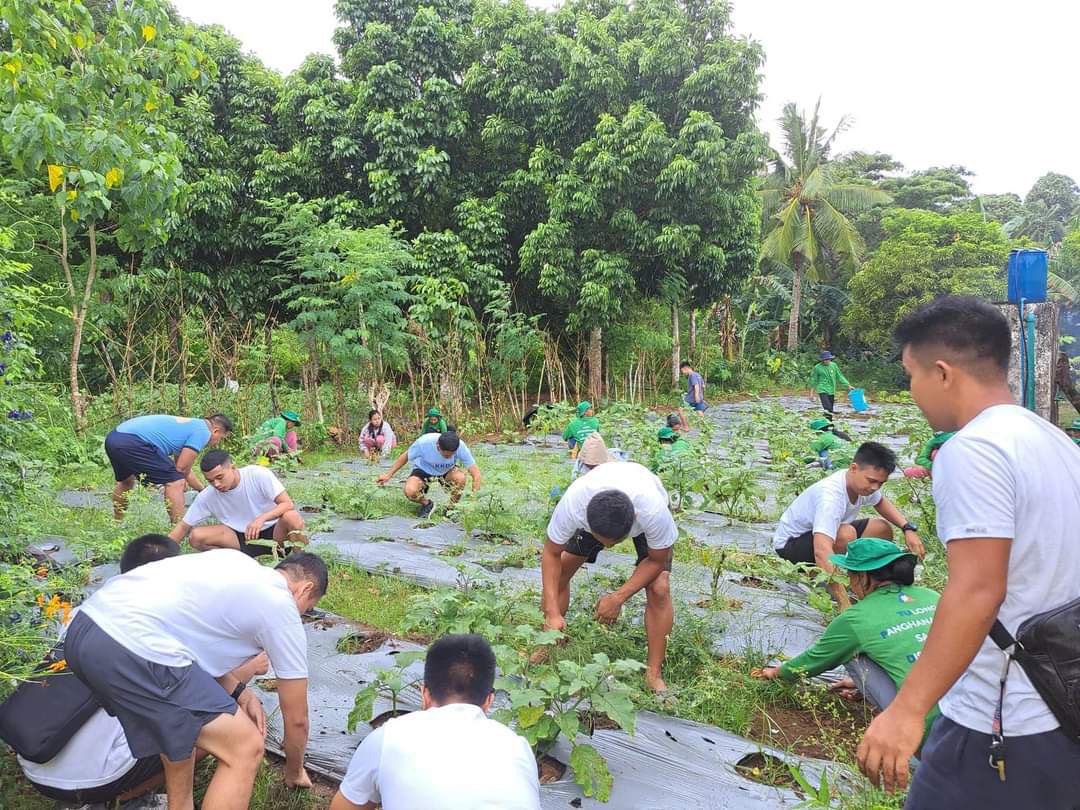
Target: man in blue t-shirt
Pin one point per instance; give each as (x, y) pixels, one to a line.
(435, 455)
(695, 387)
(161, 450)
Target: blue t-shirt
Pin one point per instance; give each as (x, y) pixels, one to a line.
(169, 434)
(694, 379)
(425, 455)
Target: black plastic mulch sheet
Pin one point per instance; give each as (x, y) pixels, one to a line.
(668, 764)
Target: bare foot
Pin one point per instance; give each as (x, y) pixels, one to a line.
(656, 683)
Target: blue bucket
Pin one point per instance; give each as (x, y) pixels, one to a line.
(1026, 275)
(857, 398)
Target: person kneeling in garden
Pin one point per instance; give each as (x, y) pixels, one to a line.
(450, 755)
(377, 437)
(434, 423)
(597, 511)
(827, 440)
(157, 647)
(276, 435)
(824, 518)
(924, 462)
(249, 503)
(671, 447)
(580, 427)
(435, 456)
(881, 636)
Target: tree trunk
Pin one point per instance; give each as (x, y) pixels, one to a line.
(693, 332)
(796, 304)
(271, 369)
(676, 345)
(78, 312)
(596, 364)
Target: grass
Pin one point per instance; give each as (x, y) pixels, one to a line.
(373, 600)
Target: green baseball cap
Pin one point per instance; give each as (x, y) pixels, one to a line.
(582, 407)
(434, 412)
(665, 433)
(1075, 424)
(290, 416)
(869, 554)
(819, 424)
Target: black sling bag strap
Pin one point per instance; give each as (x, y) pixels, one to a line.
(1047, 648)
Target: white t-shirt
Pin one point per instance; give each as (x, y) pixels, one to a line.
(652, 517)
(96, 755)
(1008, 473)
(216, 609)
(451, 757)
(237, 507)
(822, 508)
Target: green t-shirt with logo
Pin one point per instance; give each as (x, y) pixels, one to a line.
(667, 453)
(580, 428)
(274, 426)
(889, 626)
(825, 377)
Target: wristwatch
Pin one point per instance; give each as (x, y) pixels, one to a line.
(239, 690)
(909, 527)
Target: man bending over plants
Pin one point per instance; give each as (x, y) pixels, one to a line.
(450, 755)
(597, 511)
(250, 504)
(824, 518)
(435, 455)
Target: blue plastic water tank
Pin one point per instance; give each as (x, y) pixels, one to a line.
(1027, 276)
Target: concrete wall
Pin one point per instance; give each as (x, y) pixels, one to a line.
(1046, 351)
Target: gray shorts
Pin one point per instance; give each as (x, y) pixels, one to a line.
(162, 709)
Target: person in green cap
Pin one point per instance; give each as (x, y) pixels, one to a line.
(434, 422)
(881, 636)
(581, 426)
(925, 460)
(825, 441)
(823, 381)
(671, 446)
(1074, 431)
(276, 435)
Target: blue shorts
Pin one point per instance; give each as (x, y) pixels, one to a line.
(132, 456)
(700, 407)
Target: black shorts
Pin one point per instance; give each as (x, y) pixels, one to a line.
(801, 549)
(161, 708)
(132, 456)
(256, 549)
(143, 769)
(583, 544)
(426, 478)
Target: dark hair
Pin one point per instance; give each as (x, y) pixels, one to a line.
(901, 571)
(371, 413)
(214, 458)
(685, 364)
(461, 668)
(147, 549)
(449, 441)
(674, 420)
(221, 420)
(305, 565)
(972, 329)
(610, 514)
(872, 454)
(671, 440)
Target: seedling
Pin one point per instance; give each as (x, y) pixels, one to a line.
(388, 684)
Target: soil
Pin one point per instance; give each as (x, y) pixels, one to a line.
(757, 582)
(550, 769)
(267, 684)
(322, 789)
(390, 715)
(360, 643)
(834, 726)
(596, 721)
(766, 769)
(312, 510)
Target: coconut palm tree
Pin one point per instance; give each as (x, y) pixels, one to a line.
(804, 209)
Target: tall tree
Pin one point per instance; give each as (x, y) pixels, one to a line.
(942, 189)
(803, 207)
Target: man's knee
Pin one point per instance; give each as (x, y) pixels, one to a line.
(413, 488)
(456, 479)
(660, 588)
(879, 528)
(292, 520)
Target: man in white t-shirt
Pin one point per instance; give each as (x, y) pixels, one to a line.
(449, 756)
(600, 509)
(825, 517)
(157, 647)
(250, 505)
(96, 765)
(1007, 489)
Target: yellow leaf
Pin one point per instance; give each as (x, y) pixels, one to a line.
(56, 176)
(14, 66)
(150, 105)
(72, 194)
(112, 177)
(80, 41)
(149, 32)
(52, 41)
(74, 214)
(194, 74)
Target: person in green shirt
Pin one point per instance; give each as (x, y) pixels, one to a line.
(925, 460)
(671, 446)
(276, 435)
(825, 441)
(434, 422)
(581, 426)
(823, 381)
(1074, 431)
(880, 635)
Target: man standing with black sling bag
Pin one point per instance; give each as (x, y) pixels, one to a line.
(1007, 489)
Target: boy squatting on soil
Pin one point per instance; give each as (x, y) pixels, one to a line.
(824, 518)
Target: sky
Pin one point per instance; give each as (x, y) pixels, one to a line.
(932, 82)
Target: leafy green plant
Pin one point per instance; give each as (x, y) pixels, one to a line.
(816, 797)
(386, 683)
